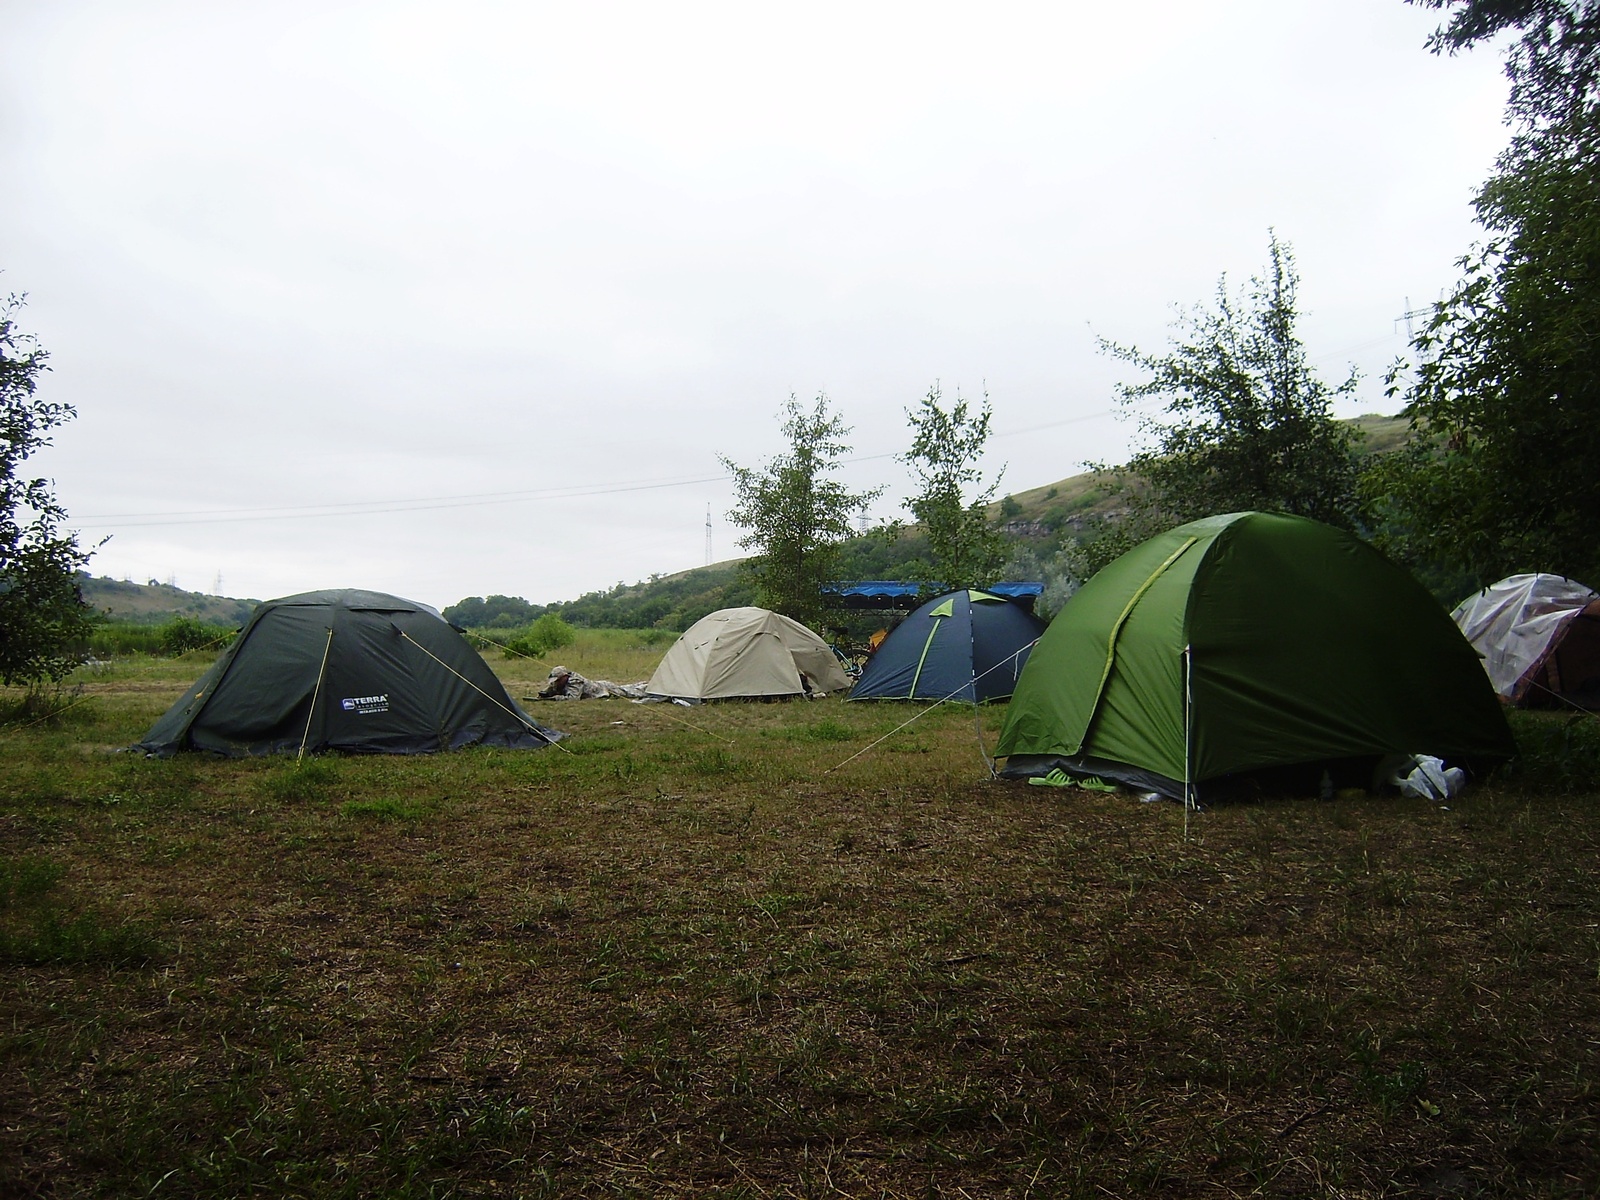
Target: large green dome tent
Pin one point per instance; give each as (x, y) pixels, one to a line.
(1242, 643)
(350, 670)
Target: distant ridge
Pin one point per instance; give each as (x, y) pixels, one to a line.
(156, 603)
(1038, 520)
(1037, 517)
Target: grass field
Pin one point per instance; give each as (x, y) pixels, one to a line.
(683, 956)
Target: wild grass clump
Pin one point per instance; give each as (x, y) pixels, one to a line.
(384, 808)
(826, 730)
(178, 636)
(26, 879)
(302, 781)
(36, 927)
(42, 703)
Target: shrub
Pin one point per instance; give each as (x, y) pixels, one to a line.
(183, 634)
(1556, 752)
(548, 633)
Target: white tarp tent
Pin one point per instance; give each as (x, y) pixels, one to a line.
(1519, 624)
(738, 652)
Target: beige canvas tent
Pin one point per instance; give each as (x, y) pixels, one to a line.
(747, 652)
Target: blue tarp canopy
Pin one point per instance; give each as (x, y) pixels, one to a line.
(890, 593)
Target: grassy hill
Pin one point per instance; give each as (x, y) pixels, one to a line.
(1073, 501)
(1039, 521)
(156, 603)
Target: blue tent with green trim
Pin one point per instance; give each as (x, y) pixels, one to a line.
(967, 645)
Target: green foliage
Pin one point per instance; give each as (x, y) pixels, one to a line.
(43, 620)
(1061, 572)
(491, 612)
(384, 808)
(796, 515)
(111, 638)
(964, 550)
(1390, 1092)
(1247, 423)
(1556, 752)
(826, 730)
(183, 634)
(669, 603)
(1498, 476)
(180, 635)
(549, 633)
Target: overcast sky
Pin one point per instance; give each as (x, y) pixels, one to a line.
(447, 300)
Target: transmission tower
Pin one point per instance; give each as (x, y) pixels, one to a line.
(1407, 316)
(708, 535)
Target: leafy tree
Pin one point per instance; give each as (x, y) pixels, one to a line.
(964, 550)
(43, 618)
(796, 514)
(1247, 425)
(491, 612)
(1499, 474)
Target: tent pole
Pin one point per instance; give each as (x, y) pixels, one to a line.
(315, 692)
(1188, 737)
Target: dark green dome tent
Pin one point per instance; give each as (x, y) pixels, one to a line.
(348, 670)
(967, 645)
(1243, 643)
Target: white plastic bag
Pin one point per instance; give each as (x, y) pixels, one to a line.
(1424, 777)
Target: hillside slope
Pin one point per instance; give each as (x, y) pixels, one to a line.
(156, 603)
(1038, 521)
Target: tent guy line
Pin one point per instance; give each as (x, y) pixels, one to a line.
(924, 712)
(533, 726)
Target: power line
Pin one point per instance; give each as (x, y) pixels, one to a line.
(363, 508)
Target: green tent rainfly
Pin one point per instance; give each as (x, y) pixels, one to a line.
(1245, 642)
(357, 671)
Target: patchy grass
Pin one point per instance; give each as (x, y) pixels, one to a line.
(683, 956)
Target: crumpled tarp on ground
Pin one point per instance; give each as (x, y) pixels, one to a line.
(569, 685)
